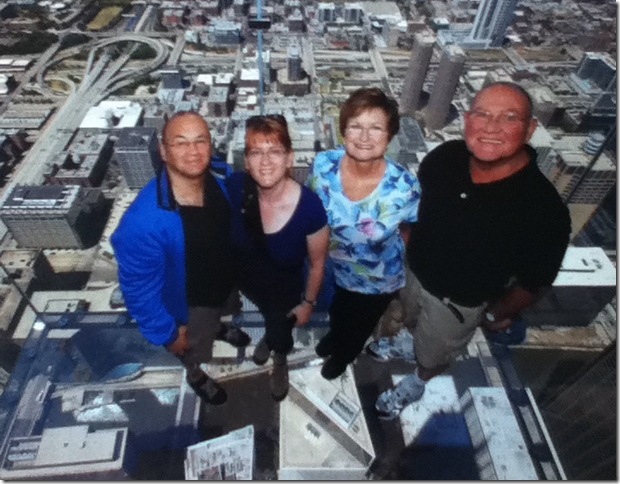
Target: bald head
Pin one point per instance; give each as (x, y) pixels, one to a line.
(511, 86)
(181, 114)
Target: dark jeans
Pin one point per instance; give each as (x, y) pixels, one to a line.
(353, 317)
(278, 330)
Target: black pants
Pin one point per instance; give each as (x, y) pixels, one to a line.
(278, 330)
(353, 317)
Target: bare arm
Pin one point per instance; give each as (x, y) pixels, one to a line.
(318, 243)
(508, 306)
(405, 231)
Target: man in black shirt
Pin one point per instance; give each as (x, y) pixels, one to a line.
(490, 237)
(176, 267)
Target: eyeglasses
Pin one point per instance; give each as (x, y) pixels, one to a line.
(185, 144)
(276, 154)
(374, 132)
(259, 120)
(508, 118)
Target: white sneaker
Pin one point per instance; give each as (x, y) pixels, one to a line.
(399, 346)
(391, 402)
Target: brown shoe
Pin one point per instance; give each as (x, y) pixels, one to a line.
(279, 377)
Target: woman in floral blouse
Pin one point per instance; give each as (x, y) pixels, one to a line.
(370, 202)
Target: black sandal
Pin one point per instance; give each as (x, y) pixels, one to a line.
(209, 390)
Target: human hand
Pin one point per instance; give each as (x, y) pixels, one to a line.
(302, 313)
(497, 326)
(180, 345)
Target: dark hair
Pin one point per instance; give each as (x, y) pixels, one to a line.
(269, 125)
(180, 114)
(368, 98)
(250, 211)
(510, 85)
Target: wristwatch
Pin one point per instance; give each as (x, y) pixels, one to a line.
(489, 316)
(312, 303)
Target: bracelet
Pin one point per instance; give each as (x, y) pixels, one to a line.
(312, 303)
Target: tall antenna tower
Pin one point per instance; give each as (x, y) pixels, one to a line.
(259, 23)
(261, 81)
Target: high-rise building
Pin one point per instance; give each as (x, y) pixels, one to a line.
(583, 180)
(292, 81)
(240, 7)
(327, 12)
(155, 116)
(446, 81)
(340, 447)
(295, 21)
(568, 165)
(171, 89)
(137, 154)
(581, 419)
(353, 12)
(584, 285)
(421, 54)
(292, 5)
(50, 216)
(222, 33)
(598, 70)
(600, 229)
(492, 20)
(217, 101)
(85, 161)
(293, 62)
(408, 146)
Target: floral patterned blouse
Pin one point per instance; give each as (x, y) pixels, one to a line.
(365, 245)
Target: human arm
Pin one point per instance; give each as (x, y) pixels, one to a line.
(181, 344)
(141, 255)
(411, 186)
(405, 232)
(500, 314)
(317, 243)
(539, 268)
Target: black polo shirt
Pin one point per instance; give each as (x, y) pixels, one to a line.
(472, 240)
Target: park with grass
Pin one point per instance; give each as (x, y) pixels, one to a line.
(105, 18)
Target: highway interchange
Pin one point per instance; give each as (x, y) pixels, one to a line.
(103, 75)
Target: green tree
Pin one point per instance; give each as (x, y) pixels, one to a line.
(143, 52)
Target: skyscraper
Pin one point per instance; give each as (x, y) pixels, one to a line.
(492, 20)
(599, 69)
(293, 61)
(421, 54)
(137, 154)
(53, 216)
(327, 12)
(446, 80)
(353, 12)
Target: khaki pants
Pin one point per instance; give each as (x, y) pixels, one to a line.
(441, 328)
(203, 325)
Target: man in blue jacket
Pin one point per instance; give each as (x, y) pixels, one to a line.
(174, 258)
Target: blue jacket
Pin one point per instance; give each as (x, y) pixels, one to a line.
(149, 245)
